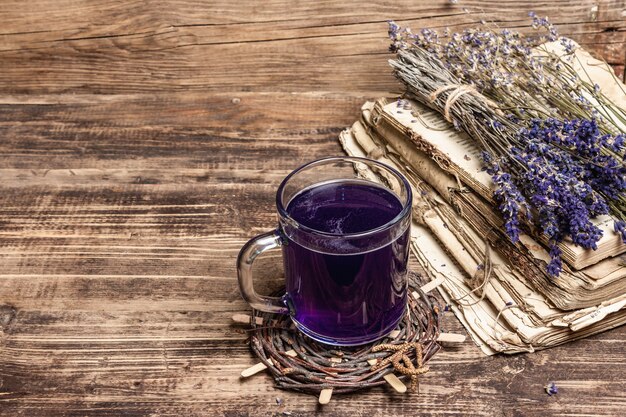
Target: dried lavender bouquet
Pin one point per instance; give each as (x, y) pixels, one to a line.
(552, 142)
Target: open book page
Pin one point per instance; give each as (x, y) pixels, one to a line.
(607, 270)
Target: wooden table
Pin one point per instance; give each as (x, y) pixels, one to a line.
(142, 143)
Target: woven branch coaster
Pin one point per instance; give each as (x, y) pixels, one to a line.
(299, 363)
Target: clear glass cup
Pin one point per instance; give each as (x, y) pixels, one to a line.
(344, 229)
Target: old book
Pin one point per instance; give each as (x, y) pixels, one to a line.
(459, 155)
(510, 317)
(571, 290)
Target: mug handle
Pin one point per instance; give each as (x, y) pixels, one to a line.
(247, 255)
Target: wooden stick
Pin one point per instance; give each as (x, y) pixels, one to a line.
(255, 369)
(391, 379)
(395, 382)
(325, 395)
(430, 286)
(245, 319)
(291, 353)
(451, 338)
(394, 334)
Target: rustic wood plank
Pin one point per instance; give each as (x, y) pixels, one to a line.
(229, 45)
(142, 143)
(217, 131)
(165, 342)
(178, 375)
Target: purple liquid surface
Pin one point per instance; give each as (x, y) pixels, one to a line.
(347, 298)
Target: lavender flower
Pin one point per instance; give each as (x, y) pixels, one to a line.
(596, 163)
(509, 200)
(555, 265)
(568, 45)
(555, 160)
(565, 192)
(620, 227)
(544, 23)
(551, 389)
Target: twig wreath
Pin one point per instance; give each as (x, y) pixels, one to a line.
(301, 364)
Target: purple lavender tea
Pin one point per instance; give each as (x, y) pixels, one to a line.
(353, 288)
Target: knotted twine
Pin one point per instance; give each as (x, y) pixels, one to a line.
(459, 90)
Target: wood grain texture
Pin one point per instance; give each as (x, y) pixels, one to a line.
(148, 46)
(142, 143)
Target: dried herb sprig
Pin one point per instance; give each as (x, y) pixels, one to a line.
(552, 142)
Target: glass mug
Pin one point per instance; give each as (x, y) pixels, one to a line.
(345, 246)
